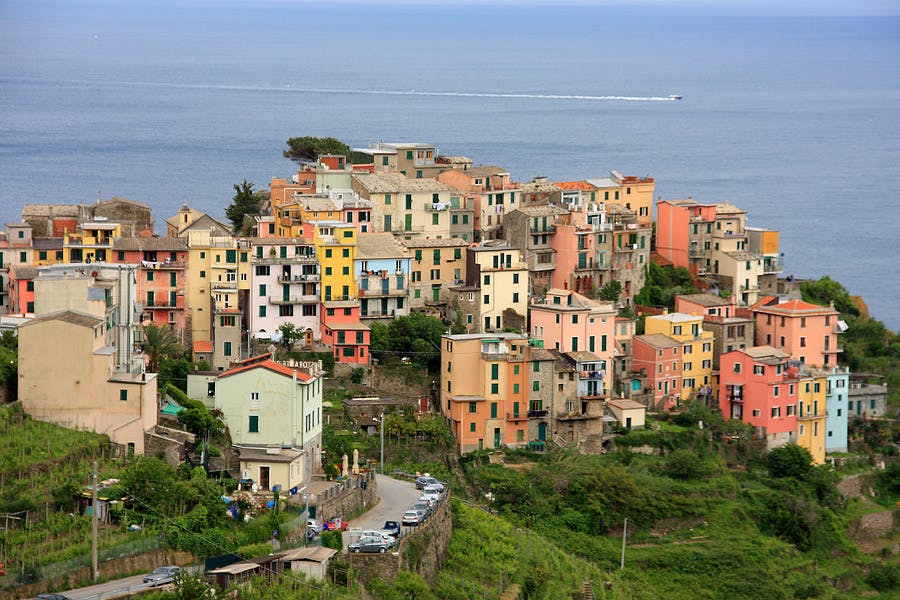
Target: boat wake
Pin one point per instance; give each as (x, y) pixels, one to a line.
(361, 91)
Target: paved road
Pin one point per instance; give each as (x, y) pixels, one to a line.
(110, 589)
(396, 498)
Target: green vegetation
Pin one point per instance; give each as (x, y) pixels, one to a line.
(663, 283)
(415, 336)
(775, 529)
(309, 148)
(610, 291)
(245, 202)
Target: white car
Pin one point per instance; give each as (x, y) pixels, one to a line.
(433, 487)
(162, 575)
(377, 534)
(430, 495)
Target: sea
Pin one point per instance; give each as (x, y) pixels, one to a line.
(795, 119)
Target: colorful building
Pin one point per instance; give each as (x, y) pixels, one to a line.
(335, 244)
(808, 332)
(531, 229)
(629, 191)
(92, 243)
(696, 352)
(483, 394)
(435, 267)
(382, 270)
(495, 294)
(411, 208)
(342, 329)
(161, 278)
(812, 412)
(837, 408)
(490, 194)
(758, 387)
(285, 280)
(569, 322)
(656, 371)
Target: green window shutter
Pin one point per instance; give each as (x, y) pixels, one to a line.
(253, 425)
(493, 410)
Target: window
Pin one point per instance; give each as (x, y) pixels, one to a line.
(775, 391)
(737, 368)
(759, 370)
(802, 342)
(253, 426)
(227, 349)
(472, 426)
(493, 410)
(149, 275)
(472, 407)
(776, 412)
(536, 386)
(791, 410)
(123, 395)
(262, 311)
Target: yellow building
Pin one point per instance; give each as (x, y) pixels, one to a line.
(811, 413)
(92, 244)
(218, 269)
(696, 350)
(335, 243)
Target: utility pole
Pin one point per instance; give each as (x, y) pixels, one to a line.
(624, 535)
(95, 571)
(382, 443)
(308, 478)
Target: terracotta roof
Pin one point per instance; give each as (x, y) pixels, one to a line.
(574, 185)
(271, 365)
(796, 306)
(387, 183)
(203, 346)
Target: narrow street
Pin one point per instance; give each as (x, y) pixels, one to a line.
(396, 498)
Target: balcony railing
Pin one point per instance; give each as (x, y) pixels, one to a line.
(591, 374)
(543, 229)
(281, 260)
(516, 416)
(736, 398)
(772, 265)
(381, 292)
(697, 252)
(285, 279)
(836, 349)
(538, 414)
(163, 265)
(495, 355)
(378, 314)
(302, 299)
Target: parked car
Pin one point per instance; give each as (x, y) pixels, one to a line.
(366, 533)
(424, 507)
(162, 575)
(336, 524)
(426, 479)
(370, 544)
(391, 528)
(312, 528)
(412, 517)
(429, 500)
(430, 495)
(432, 482)
(51, 597)
(434, 487)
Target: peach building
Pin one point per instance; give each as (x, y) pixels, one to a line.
(488, 192)
(808, 332)
(485, 390)
(656, 366)
(696, 351)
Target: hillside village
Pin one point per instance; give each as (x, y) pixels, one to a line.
(549, 344)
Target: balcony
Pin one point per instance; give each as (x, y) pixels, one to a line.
(836, 349)
(168, 265)
(576, 416)
(302, 259)
(300, 299)
(772, 265)
(495, 355)
(161, 305)
(697, 252)
(810, 417)
(437, 206)
(224, 286)
(516, 416)
(736, 398)
(286, 279)
(591, 374)
(383, 293)
(543, 229)
(538, 414)
(378, 314)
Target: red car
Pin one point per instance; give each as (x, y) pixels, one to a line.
(336, 524)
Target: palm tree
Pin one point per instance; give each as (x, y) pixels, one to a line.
(160, 343)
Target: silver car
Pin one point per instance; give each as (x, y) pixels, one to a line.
(162, 575)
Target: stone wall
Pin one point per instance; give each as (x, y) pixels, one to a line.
(421, 551)
(166, 443)
(347, 497)
(136, 563)
(872, 526)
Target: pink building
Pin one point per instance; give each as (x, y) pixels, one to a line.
(705, 305)
(21, 289)
(342, 330)
(684, 232)
(808, 332)
(757, 387)
(656, 363)
(570, 322)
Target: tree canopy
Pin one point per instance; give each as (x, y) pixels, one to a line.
(160, 343)
(663, 283)
(415, 336)
(244, 202)
(309, 148)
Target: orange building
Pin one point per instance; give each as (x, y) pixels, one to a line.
(485, 389)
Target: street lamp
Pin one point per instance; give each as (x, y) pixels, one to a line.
(382, 443)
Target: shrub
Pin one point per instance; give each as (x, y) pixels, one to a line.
(333, 539)
(789, 461)
(356, 375)
(884, 578)
(685, 464)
